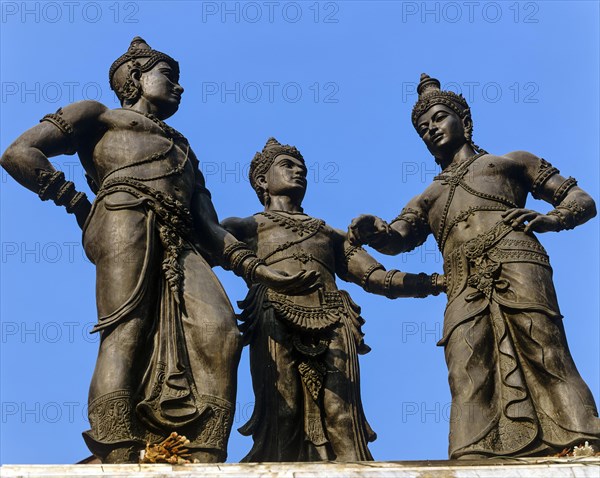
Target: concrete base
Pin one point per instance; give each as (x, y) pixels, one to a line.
(508, 468)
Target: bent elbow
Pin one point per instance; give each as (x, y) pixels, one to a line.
(592, 208)
(11, 156)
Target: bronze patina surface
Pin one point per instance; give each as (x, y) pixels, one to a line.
(515, 388)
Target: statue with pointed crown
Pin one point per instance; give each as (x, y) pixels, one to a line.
(149, 232)
(304, 349)
(515, 389)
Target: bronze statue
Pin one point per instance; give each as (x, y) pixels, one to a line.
(304, 348)
(515, 388)
(169, 345)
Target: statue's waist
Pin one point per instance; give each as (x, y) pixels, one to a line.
(127, 193)
(295, 259)
(464, 225)
(319, 310)
(500, 235)
(490, 250)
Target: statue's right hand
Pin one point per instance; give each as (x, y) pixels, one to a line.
(367, 228)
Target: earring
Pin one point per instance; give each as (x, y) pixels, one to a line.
(468, 135)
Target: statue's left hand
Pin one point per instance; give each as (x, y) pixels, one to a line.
(302, 282)
(536, 221)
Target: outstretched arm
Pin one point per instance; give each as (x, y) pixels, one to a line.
(354, 264)
(26, 159)
(573, 206)
(407, 231)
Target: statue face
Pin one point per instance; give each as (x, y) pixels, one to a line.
(160, 87)
(441, 129)
(286, 176)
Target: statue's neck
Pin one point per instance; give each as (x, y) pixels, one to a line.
(284, 203)
(465, 152)
(144, 107)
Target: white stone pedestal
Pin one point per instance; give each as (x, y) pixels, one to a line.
(508, 468)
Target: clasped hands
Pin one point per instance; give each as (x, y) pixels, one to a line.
(367, 229)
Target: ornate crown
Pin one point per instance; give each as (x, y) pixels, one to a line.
(430, 94)
(138, 50)
(262, 161)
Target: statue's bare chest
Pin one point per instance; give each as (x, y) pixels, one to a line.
(296, 239)
(488, 185)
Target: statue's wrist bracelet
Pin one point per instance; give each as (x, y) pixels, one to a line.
(387, 283)
(54, 186)
(239, 258)
(569, 214)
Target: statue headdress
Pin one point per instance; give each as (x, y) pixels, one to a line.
(263, 160)
(140, 56)
(430, 94)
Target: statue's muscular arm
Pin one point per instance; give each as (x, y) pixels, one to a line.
(354, 264)
(573, 205)
(73, 126)
(64, 132)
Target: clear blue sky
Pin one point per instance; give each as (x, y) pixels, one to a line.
(336, 79)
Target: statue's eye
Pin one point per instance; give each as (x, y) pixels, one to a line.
(168, 74)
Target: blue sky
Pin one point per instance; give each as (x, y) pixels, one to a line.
(338, 80)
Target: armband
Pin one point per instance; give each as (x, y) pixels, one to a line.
(364, 282)
(545, 171)
(63, 125)
(387, 283)
(57, 120)
(561, 192)
(417, 221)
(413, 217)
(436, 287)
(348, 253)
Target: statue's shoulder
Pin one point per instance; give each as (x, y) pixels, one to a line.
(85, 108)
(242, 228)
(527, 162)
(524, 157)
(83, 113)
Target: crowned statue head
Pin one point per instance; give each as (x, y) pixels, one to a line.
(264, 160)
(430, 95)
(138, 59)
